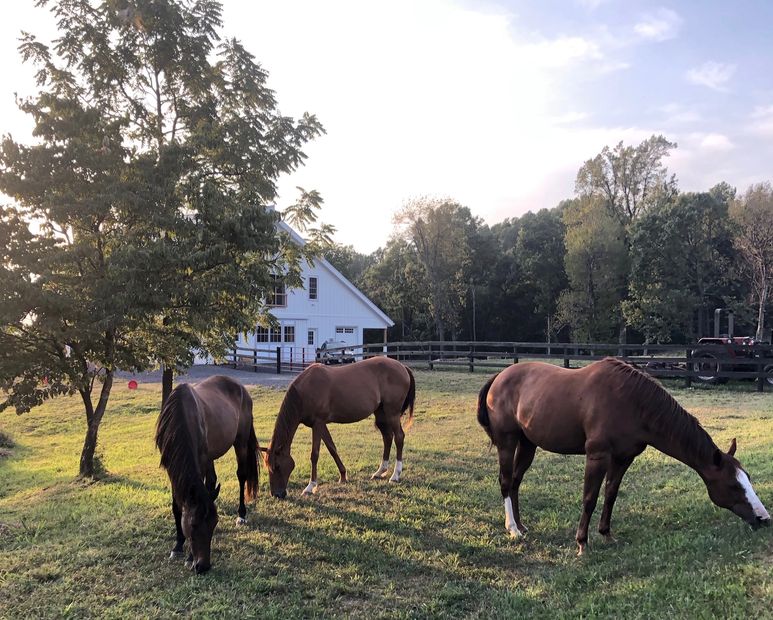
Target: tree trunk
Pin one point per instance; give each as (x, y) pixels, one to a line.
(761, 313)
(166, 384)
(93, 419)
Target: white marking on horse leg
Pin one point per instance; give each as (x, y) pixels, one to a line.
(396, 473)
(176, 555)
(310, 488)
(241, 521)
(751, 496)
(381, 471)
(510, 524)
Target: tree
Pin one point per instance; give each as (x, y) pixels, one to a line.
(441, 231)
(753, 214)
(351, 263)
(681, 257)
(596, 265)
(629, 179)
(158, 149)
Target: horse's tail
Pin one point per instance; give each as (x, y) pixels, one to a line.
(253, 469)
(410, 399)
(483, 419)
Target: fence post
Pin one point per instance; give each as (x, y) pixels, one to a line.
(472, 358)
(688, 376)
(566, 357)
(279, 360)
(255, 360)
(429, 357)
(234, 357)
(515, 355)
(760, 377)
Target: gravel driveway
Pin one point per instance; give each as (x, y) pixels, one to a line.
(202, 371)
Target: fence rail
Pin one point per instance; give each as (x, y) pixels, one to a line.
(666, 361)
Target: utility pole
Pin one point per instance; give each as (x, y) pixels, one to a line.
(474, 335)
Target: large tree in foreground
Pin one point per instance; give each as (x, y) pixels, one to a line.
(141, 228)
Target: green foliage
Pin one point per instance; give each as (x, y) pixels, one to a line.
(158, 150)
(596, 266)
(629, 179)
(351, 263)
(682, 254)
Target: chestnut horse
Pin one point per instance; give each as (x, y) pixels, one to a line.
(321, 395)
(610, 412)
(197, 425)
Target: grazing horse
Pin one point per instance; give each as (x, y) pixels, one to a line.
(610, 412)
(322, 394)
(197, 425)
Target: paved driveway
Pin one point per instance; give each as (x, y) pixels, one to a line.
(202, 371)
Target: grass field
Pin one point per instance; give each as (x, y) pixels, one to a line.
(432, 546)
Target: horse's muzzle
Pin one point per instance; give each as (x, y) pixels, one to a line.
(763, 522)
(201, 568)
(281, 494)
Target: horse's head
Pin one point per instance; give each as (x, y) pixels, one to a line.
(279, 465)
(198, 521)
(729, 487)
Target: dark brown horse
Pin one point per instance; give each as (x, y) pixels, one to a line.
(610, 412)
(199, 424)
(321, 395)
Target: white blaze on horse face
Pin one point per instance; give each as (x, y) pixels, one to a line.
(396, 473)
(310, 488)
(751, 496)
(510, 525)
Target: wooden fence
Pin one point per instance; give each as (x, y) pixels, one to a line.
(696, 363)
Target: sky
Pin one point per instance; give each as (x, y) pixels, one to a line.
(495, 104)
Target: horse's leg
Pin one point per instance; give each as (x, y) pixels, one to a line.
(316, 436)
(524, 456)
(331, 447)
(399, 436)
(386, 434)
(596, 464)
(242, 454)
(177, 551)
(617, 469)
(506, 452)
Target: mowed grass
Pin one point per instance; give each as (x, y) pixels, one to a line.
(433, 545)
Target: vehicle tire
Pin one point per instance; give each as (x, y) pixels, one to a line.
(706, 366)
(769, 374)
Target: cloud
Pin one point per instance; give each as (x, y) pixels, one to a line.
(677, 113)
(715, 142)
(564, 51)
(711, 74)
(591, 5)
(762, 120)
(661, 25)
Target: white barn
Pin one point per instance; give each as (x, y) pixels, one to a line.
(328, 308)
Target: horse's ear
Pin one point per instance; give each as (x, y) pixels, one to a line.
(718, 457)
(216, 492)
(731, 451)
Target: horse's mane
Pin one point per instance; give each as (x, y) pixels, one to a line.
(660, 411)
(288, 419)
(179, 450)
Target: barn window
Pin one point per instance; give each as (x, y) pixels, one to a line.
(277, 297)
(312, 288)
(310, 337)
(261, 334)
(289, 333)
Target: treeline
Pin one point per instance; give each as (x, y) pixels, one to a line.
(629, 258)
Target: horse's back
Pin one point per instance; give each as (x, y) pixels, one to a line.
(352, 392)
(227, 411)
(557, 409)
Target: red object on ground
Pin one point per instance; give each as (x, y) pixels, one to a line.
(132, 385)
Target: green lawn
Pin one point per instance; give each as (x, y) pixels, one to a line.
(432, 546)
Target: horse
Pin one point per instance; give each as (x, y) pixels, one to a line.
(610, 412)
(321, 395)
(197, 425)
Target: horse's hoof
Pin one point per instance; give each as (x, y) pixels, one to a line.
(516, 533)
(581, 549)
(343, 479)
(176, 555)
(241, 521)
(378, 476)
(394, 480)
(189, 564)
